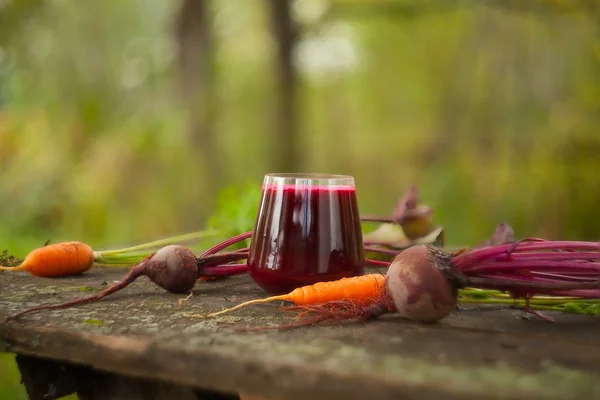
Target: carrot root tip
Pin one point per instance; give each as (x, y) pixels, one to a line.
(18, 268)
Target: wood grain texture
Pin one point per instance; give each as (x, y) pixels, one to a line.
(480, 352)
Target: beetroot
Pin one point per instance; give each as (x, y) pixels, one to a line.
(422, 282)
(418, 286)
(173, 268)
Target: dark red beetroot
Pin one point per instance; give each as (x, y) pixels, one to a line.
(524, 269)
(173, 268)
(418, 284)
(422, 282)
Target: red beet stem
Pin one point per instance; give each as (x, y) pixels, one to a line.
(543, 278)
(225, 270)
(528, 286)
(573, 277)
(554, 255)
(471, 258)
(373, 218)
(379, 263)
(226, 243)
(534, 266)
(565, 266)
(382, 251)
(245, 249)
(218, 264)
(222, 258)
(135, 272)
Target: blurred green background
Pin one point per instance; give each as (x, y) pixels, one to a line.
(122, 121)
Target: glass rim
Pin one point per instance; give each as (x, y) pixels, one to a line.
(308, 175)
(310, 178)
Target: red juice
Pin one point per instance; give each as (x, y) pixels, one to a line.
(305, 234)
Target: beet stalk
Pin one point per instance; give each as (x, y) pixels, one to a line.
(172, 267)
(422, 282)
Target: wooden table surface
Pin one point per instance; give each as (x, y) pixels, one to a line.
(479, 352)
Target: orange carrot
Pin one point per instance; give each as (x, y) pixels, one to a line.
(362, 288)
(59, 259)
(72, 258)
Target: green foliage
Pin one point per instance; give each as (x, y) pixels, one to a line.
(10, 382)
(495, 119)
(587, 308)
(6, 260)
(493, 113)
(235, 213)
(574, 306)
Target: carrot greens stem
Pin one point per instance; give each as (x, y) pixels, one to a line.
(485, 293)
(100, 255)
(569, 305)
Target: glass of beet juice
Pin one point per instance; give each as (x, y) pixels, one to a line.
(307, 230)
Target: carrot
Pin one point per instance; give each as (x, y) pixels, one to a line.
(72, 258)
(362, 289)
(357, 290)
(59, 259)
(423, 282)
(173, 268)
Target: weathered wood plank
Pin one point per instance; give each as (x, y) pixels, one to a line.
(478, 353)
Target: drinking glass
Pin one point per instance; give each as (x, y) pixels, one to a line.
(307, 230)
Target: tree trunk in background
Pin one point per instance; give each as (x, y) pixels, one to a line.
(285, 144)
(194, 36)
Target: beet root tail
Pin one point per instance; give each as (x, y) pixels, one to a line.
(133, 274)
